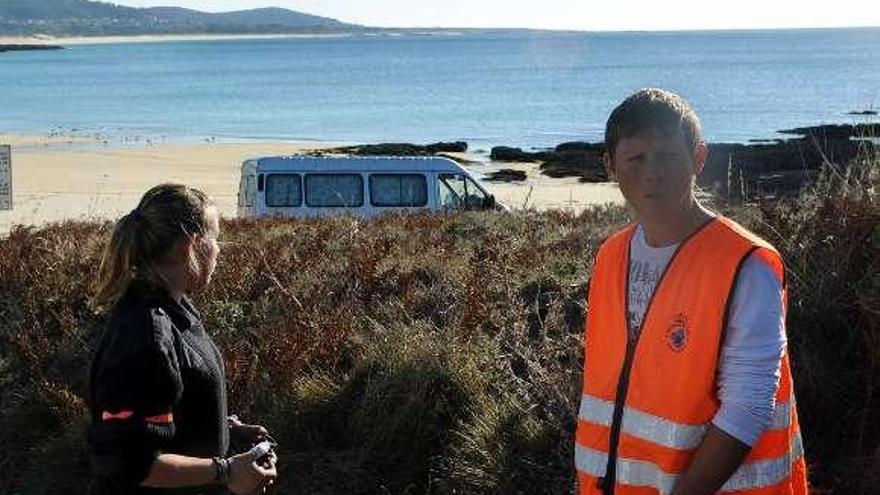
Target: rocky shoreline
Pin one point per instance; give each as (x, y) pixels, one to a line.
(784, 166)
(762, 168)
(22, 48)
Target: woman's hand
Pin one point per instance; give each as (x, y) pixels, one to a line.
(247, 477)
(250, 434)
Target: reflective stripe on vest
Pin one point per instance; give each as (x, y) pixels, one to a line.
(768, 472)
(659, 430)
(749, 476)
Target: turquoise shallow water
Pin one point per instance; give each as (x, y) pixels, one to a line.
(521, 89)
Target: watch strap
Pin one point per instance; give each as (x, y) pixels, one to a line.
(221, 464)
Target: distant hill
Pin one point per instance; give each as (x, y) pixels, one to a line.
(86, 18)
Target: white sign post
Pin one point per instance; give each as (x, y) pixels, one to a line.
(5, 177)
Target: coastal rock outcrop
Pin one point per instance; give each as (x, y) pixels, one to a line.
(762, 168)
(572, 159)
(836, 131)
(511, 154)
(506, 175)
(21, 48)
(402, 149)
(783, 167)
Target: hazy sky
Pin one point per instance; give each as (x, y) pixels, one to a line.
(589, 15)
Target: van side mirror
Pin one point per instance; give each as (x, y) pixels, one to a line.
(489, 202)
(260, 182)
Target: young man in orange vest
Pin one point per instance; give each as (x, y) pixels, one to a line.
(687, 386)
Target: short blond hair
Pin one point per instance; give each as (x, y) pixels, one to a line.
(653, 109)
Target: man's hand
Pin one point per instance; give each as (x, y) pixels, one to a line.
(717, 458)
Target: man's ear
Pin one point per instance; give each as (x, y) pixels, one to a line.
(701, 152)
(609, 165)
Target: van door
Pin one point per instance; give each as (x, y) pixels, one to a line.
(246, 193)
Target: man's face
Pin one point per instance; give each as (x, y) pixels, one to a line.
(655, 172)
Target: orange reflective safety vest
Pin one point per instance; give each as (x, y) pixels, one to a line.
(648, 402)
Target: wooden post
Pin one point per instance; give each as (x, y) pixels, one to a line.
(735, 193)
(729, 178)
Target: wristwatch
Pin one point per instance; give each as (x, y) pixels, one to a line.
(222, 466)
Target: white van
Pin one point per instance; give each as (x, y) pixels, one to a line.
(305, 186)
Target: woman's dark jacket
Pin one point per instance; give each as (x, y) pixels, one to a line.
(156, 385)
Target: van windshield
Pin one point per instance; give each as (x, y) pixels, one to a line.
(460, 192)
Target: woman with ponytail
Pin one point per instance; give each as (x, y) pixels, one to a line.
(157, 391)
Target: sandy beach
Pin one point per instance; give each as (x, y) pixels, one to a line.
(58, 177)
(542, 193)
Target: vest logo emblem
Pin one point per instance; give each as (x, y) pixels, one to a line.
(677, 335)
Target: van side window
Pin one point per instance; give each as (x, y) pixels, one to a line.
(283, 190)
(398, 190)
(345, 190)
(457, 191)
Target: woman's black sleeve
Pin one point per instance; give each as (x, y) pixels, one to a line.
(138, 384)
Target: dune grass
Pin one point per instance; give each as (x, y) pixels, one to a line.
(430, 353)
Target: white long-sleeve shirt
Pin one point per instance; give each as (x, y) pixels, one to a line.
(749, 364)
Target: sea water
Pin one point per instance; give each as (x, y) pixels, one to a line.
(530, 89)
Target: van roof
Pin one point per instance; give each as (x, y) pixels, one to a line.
(356, 164)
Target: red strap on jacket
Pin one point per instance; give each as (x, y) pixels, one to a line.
(107, 415)
(160, 419)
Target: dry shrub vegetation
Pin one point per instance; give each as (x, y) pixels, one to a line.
(430, 353)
